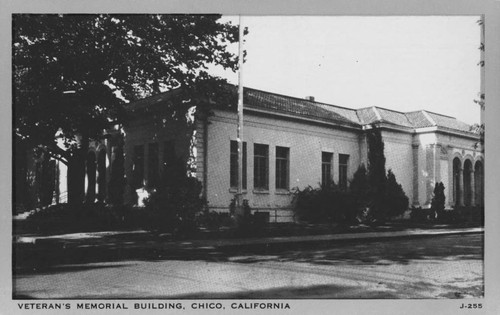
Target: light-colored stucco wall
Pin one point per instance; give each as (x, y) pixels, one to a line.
(418, 160)
(399, 158)
(306, 142)
(436, 153)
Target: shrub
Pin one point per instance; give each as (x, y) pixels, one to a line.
(173, 208)
(447, 216)
(438, 199)
(325, 204)
(214, 220)
(249, 224)
(376, 175)
(468, 214)
(396, 201)
(86, 217)
(418, 214)
(359, 190)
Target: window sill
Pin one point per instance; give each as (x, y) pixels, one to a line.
(282, 192)
(235, 190)
(260, 191)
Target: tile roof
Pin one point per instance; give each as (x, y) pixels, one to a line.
(419, 119)
(367, 115)
(347, 113)
(394, 117)
(291, 105)
(258, 99)
(449, 122)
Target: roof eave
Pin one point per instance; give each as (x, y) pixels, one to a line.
(315, 120)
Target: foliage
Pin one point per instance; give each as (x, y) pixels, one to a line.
(377, 178)
(246, 207)
(359, 187)
(214, 220)
(173, 208)
(72, 73)
(63, 218)
(419, 214)
(458, 215)
(396, 201)
(438, 199)
(325, 204)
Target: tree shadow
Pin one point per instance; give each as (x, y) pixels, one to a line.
(54, 258)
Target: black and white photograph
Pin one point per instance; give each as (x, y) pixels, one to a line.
(173, 162)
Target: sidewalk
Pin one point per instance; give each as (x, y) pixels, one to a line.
(143, 239)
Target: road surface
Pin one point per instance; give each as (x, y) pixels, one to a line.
(430, 267)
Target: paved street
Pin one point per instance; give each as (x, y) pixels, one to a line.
(430, 267)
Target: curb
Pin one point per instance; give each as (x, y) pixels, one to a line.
(335, 238)
(35, 243)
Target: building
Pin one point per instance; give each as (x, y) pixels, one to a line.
(291, 142)
(287, 143)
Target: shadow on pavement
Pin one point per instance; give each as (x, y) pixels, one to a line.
(55, 257)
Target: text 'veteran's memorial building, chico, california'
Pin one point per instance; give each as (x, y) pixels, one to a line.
(289, 142)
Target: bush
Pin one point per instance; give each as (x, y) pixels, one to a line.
(325, 204)
(438, 199)
(84, 218)
(173, 208)
(418, 214)
(249, 224)
(359, 189)
(377, 177)
(468, 214)
(214, 220)
(396, 201)
(447, 216)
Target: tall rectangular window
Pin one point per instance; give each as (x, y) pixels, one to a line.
(138, 167)
(153, 165)
(343, 168)
(261, 166)
(282, 167)
(326, 168)
(233, 165)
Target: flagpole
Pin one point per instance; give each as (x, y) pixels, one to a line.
(239, 135)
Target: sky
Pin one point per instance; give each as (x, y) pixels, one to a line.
(402, 63)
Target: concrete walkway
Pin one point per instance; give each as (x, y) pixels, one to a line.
(141, 238)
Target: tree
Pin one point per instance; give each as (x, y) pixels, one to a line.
(438, 199)
(396, 202)
(359, 184)
(72, 74)
(376, 174)
(359, 189)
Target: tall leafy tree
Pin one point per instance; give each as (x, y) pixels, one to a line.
(359, 188)
(376, 174)
(438, 198)
(396, 202)
(72, 73)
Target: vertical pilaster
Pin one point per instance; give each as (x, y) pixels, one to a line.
(416, 179)
(437, 164)
(461, 186)
(430, 162)
(472, 188)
